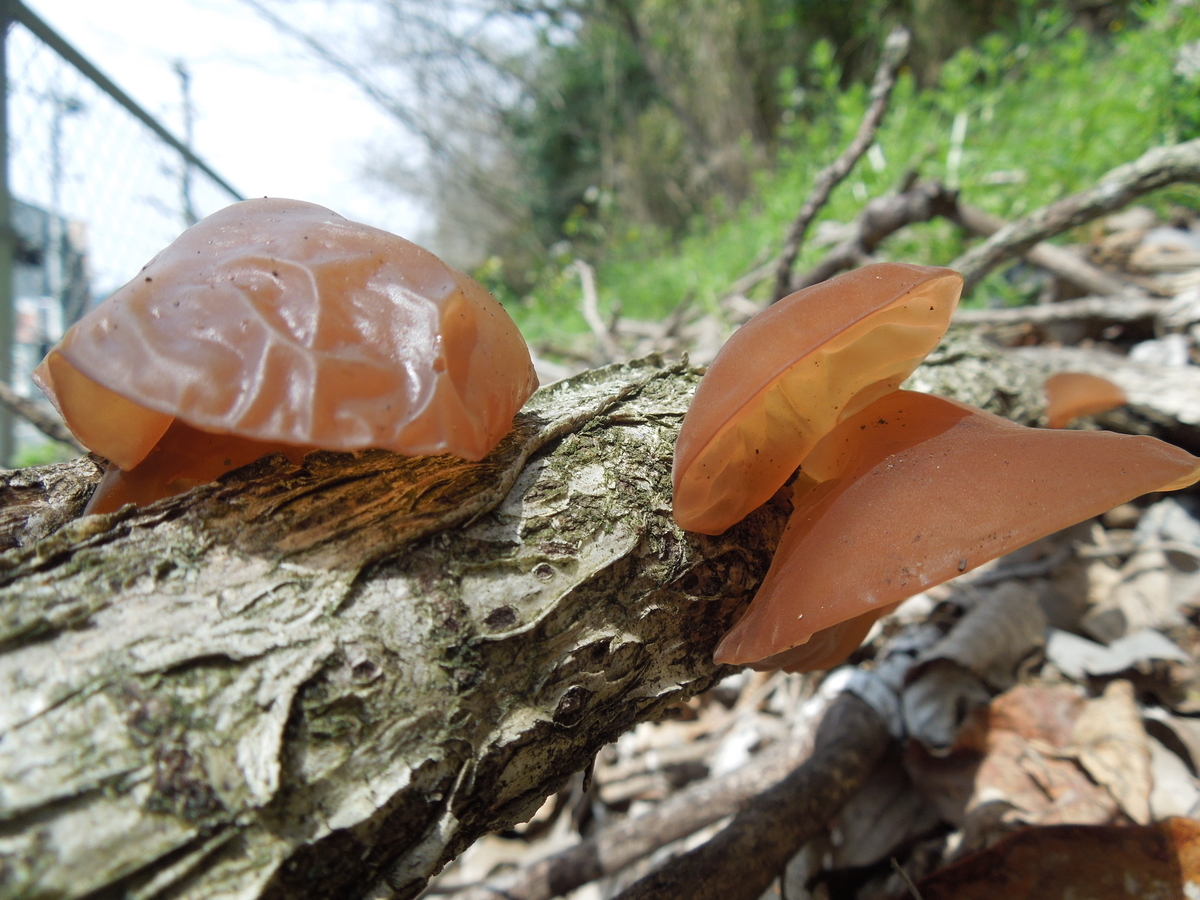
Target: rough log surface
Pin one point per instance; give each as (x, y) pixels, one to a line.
(327, 680)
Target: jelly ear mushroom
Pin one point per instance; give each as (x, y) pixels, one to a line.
(918, 489)
(1070, 395)
(279, 323)
(791, 373)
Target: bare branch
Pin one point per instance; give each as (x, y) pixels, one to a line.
(590, 307)
(619, 845)
(1058, 260)
(1102, 310)
(880, 218)
(47, 424)
(744, 858)
(1157, 168)
(894, 51)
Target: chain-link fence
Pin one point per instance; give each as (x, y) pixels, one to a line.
(96, 187)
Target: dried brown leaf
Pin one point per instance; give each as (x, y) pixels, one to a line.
(1157, 862)
(1110, 743)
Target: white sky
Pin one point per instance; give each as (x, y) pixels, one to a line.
(267, 119)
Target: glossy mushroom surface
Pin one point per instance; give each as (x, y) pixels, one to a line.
(281, 322)
(1070, 395)
(790, 374)
(918, 489)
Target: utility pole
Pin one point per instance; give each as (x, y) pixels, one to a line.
(7, 240)
(63, 105)
(185, 180)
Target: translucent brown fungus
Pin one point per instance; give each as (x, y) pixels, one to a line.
(181, 459)
(281, 324)
(914, 490)
(1070, 395)
(791, 373)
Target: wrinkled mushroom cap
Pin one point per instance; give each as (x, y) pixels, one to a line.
(283, 322)
(920, 489)
(791, 373)
(1070, 395)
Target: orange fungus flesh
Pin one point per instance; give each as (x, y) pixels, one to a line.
(181, 459)
(281, 322)
(1070, 395)
(791, 373)
(914, 490)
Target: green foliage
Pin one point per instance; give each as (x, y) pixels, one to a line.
(44, 454)
(589, 90)
(1047, 107)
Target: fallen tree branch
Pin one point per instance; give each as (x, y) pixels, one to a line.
(1102, 310)
(590, 306)
(917, 201)
(742, 860)
(39, 500)
(328, 680)
(1057, 260)
(895, 48)
(1157, 168)
(44, 422)
(617, 846)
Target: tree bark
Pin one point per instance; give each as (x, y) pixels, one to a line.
(328, 680)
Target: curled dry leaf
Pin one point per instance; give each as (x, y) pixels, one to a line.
(1110, 743)
(886, 813)
(1078, 657)
(1007, 768)
(994, 637)
(1111, 862)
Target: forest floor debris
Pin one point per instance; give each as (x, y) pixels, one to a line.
(1060, 690)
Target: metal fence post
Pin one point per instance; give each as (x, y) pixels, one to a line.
(7, 239)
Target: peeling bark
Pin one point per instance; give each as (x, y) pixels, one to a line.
(328, 680)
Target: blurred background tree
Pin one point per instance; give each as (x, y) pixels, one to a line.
(604, 122)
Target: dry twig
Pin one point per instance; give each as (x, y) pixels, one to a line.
(1156, 168)
(894, 50)
(742, 860)
(883, 216)
(1057, 260)
(43, 422)
(591, 312)
(625, 842)
(1111, 310)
